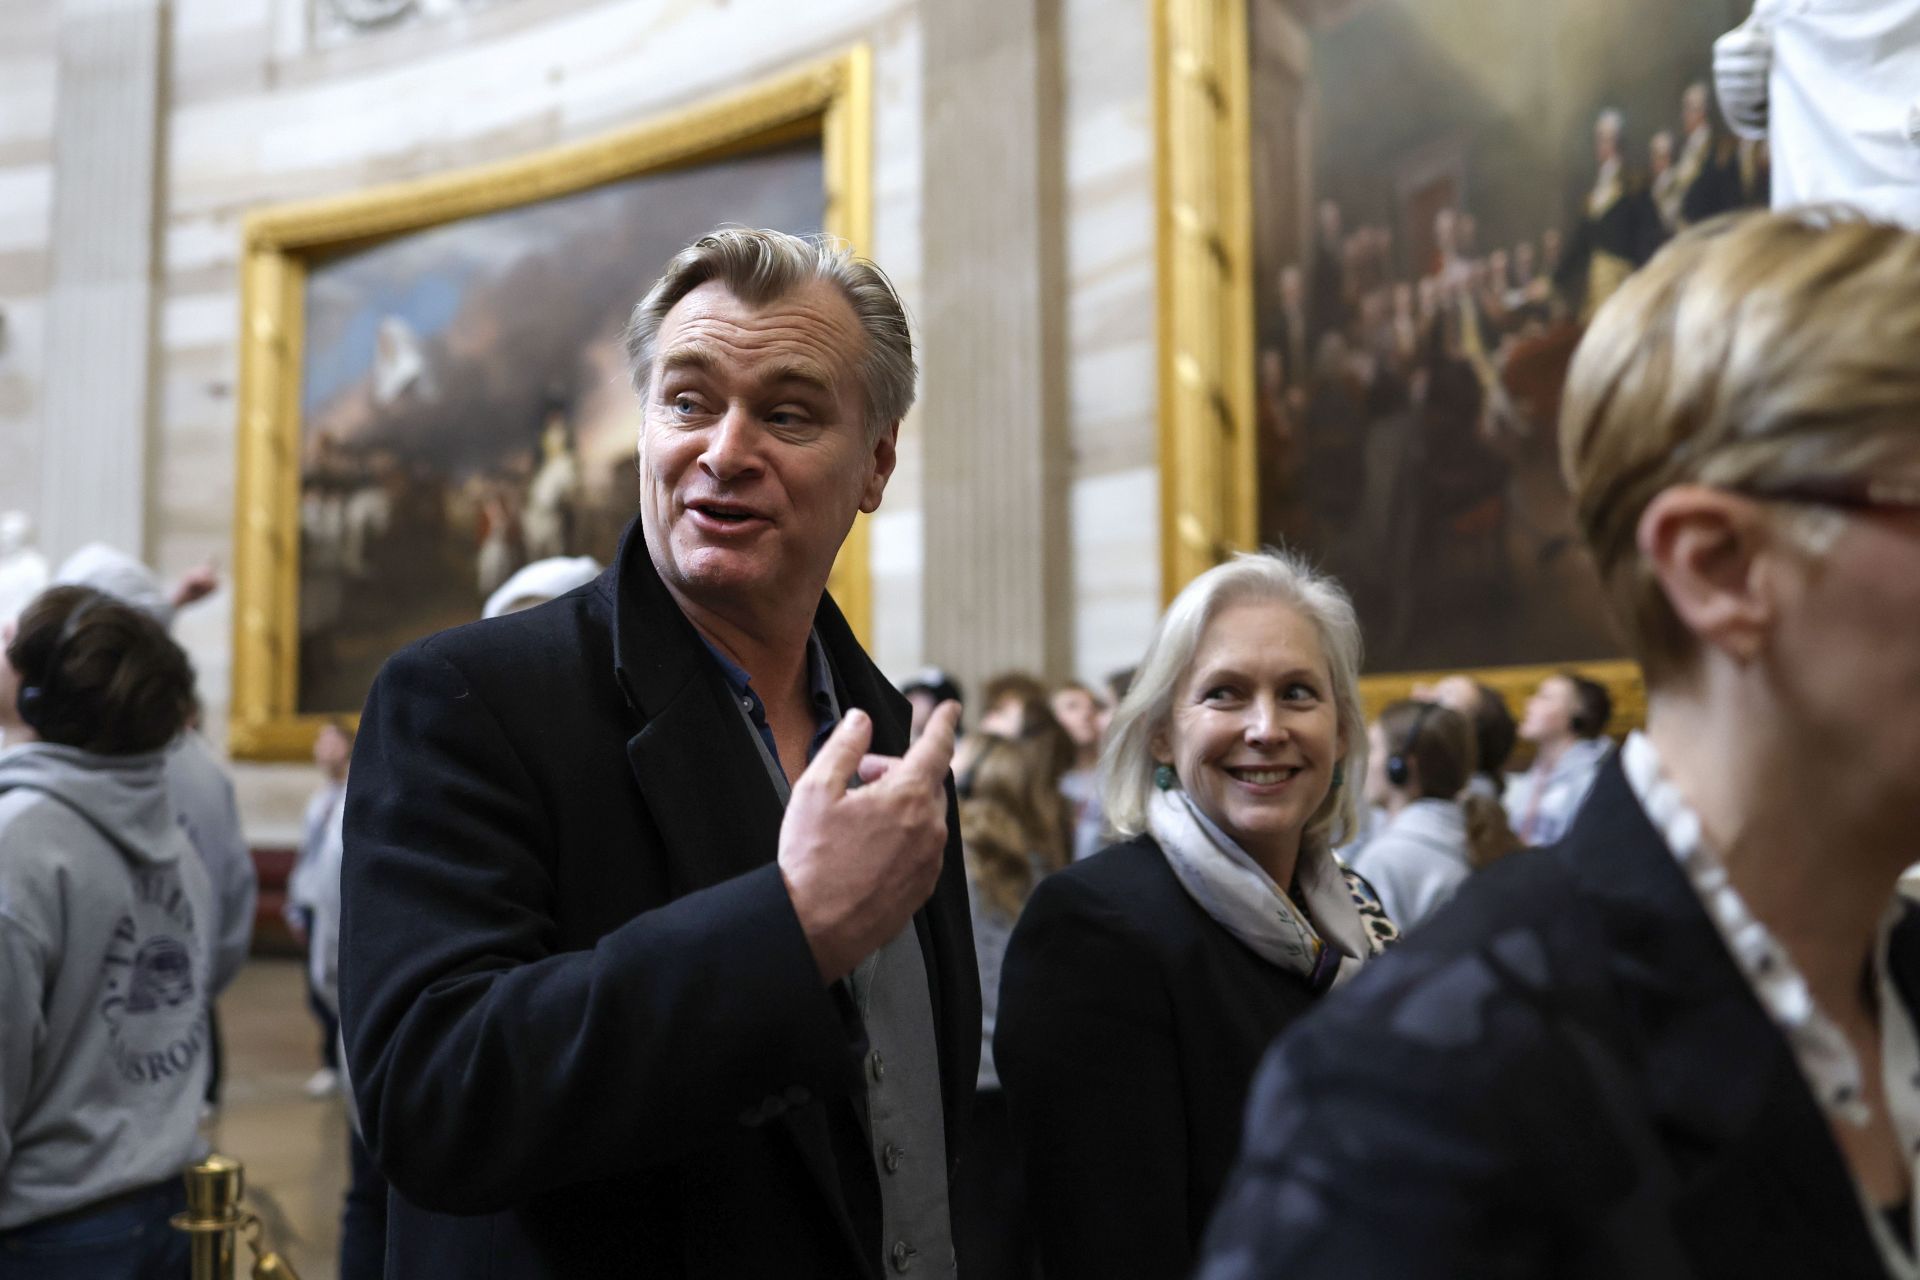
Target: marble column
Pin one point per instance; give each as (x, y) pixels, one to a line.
(100, 305)
(998, 590)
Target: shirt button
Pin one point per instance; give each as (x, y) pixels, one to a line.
(890, 1157)
(746, 704)
(876, 1066)
(903, 1254)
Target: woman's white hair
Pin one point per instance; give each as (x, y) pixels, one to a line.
(1284, 577)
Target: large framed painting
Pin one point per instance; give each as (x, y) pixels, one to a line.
(433, 390)
(1383, 225)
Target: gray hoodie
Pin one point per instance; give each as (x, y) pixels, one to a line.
(204, 802)
(104, 980)
(1417, 860)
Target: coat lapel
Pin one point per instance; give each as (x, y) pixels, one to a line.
(1742, 1135)
(705, 786)
(696, 764)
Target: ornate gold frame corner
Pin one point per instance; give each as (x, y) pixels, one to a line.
(831, 100)
(1209, 463)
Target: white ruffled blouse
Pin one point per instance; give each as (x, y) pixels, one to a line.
(1826, 1058)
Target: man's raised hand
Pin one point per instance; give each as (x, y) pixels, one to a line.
(858, 863)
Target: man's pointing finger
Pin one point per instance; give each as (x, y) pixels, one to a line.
(927, 759)
(838, 759)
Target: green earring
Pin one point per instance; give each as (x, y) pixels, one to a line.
(1164, 777)
(1339, 773)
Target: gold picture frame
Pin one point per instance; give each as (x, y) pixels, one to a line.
(1209, 467)
(831, 101)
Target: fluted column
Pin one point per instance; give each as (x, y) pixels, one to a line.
(100, 317)
(998, 592)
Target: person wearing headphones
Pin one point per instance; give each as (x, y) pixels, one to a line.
(1566, 722)
(1436, 831)
(107, 933)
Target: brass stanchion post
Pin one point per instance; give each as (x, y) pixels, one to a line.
(213, 1215)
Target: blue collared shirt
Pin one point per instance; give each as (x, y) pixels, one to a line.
(826, 707)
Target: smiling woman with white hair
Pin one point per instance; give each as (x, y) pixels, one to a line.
(1143, 983)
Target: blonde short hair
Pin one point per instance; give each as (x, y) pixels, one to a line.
(1753, 350)
(1127, 764)
(758, 267)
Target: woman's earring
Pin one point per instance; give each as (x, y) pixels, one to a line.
(1339, 773)
(1164, 777)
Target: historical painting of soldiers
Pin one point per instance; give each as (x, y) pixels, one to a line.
(465, 408)
(1443, 192)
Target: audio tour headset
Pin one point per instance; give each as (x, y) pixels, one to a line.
(1399, 767)
(35, 702)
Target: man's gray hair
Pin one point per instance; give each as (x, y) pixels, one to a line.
(1284, 577)
(758, 267)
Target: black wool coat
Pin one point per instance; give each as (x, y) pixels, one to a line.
(1562, 1074)
(1129, 1029)
(585, 1031)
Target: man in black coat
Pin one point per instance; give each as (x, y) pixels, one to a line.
(630, 987)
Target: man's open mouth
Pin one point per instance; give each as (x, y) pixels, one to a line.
(725, 512)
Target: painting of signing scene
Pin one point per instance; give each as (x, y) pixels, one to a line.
(464, 401)
(1443, 191)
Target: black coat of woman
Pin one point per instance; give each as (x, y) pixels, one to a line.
(1130, 1027)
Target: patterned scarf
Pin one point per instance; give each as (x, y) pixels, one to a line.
(1337, 926)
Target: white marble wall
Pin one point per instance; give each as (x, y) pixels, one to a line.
(99, 353)
(28, 59)
(996, 511)
(1108, 93)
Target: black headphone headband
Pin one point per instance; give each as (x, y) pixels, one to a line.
(35, 699)
(1399, 768)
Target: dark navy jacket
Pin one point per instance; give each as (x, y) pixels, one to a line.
(1562, 1074)
(585, 1030)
